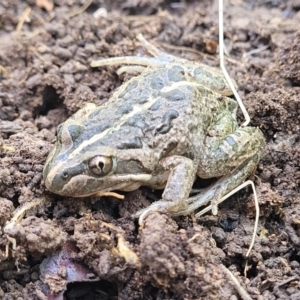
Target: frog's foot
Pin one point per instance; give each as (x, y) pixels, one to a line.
(209, 77)
(129, 60)
(161, 206)
(160, 59)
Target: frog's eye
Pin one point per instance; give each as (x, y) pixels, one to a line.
(100, 165)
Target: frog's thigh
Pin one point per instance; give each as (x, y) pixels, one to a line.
(221, 157)
(181, 179)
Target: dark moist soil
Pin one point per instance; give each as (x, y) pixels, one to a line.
(45, 77)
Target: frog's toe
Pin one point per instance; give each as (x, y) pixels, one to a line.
(158, 206)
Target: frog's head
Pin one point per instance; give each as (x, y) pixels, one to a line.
(69, 172)
(82, 164)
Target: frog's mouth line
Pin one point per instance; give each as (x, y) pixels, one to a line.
(113, 183)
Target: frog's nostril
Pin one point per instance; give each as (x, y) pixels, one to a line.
(65, 174)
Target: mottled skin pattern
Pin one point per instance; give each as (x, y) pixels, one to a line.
(159, 129)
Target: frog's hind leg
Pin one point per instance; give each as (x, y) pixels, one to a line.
(129, 60)
(219, 189)
(130, 70)
(153, 50)
(233, 159)
(160, 58)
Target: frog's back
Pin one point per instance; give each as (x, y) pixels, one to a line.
(162, 109)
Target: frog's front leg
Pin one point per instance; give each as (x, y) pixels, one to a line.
(182, 172)
(235, 158)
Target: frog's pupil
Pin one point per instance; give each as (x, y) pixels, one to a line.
(101, 165)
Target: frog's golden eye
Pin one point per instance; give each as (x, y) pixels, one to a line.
(100, 165)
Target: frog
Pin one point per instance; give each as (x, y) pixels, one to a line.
(162, 129)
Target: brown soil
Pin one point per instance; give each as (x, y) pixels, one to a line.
(45, 77)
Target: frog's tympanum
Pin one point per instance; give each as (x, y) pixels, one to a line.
(160, 129)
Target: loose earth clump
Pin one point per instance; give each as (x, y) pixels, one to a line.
(46, 49)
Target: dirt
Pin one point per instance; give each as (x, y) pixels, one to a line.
(45, 77)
